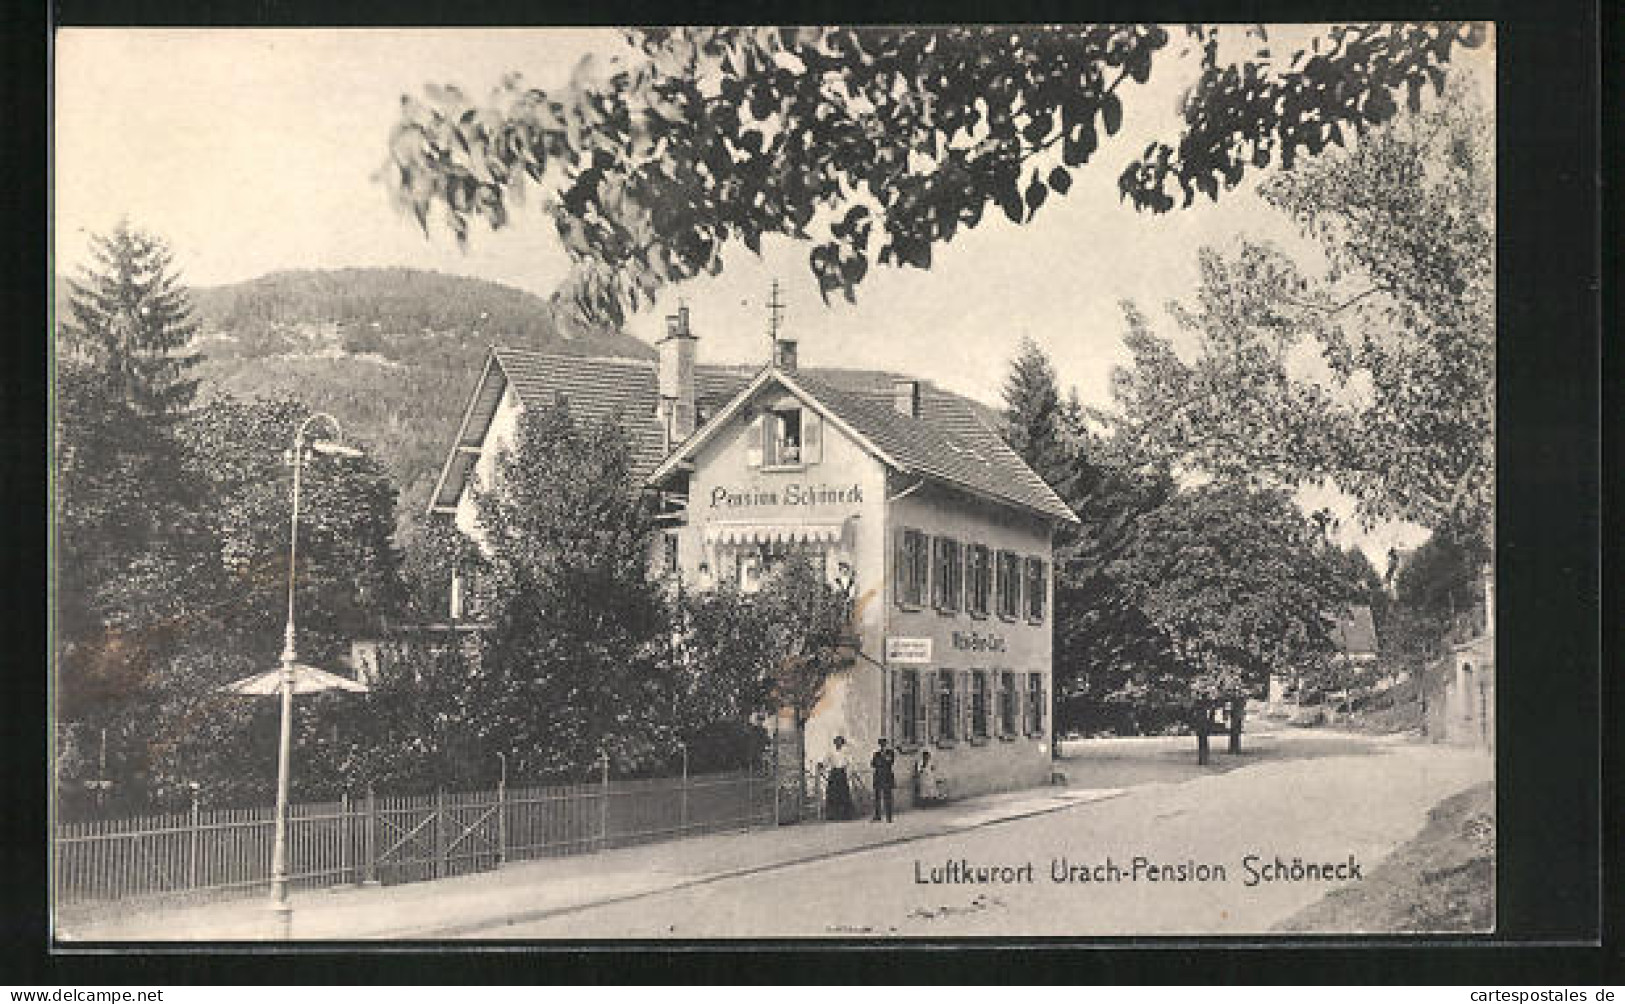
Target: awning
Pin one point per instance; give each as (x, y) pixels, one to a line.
(774, 533)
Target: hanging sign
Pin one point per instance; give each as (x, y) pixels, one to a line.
(908, 651)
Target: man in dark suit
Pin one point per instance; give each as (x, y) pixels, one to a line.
(883, 762)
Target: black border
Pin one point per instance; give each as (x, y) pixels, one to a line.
(1550, 701)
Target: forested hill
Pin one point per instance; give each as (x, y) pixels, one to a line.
(393, 353)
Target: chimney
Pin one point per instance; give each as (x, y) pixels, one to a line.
(905, 396)
(784, 354)
(677, 377)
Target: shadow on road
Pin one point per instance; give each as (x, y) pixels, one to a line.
(1131, 760)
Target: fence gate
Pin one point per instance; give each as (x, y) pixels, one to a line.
(432, 836)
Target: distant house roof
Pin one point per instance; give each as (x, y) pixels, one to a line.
(952, 441)
(1356, 632)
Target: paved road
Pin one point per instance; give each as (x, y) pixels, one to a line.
(1350, 801)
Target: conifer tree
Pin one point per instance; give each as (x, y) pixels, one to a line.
(131, 320)
(1036, 420)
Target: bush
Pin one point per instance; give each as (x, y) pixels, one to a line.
(721, 746)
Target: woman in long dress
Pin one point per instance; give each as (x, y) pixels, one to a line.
(929, 782)
(838, 785)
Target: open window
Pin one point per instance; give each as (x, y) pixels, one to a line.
(784, 441)
(789, 436)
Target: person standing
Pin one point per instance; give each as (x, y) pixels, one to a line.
(884, 761)
(926, 779)
(838, 784)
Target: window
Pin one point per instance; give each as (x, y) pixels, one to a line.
(1007, 704)
(668, 552)
(1035, 589)
(1035, 704)
(913, 568)
(907, 706)
(1009, 584)
(980, 561)
(948, 573)
(947, 707)
(978, 705)
(783, 446)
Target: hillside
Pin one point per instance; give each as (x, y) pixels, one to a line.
(391, 352)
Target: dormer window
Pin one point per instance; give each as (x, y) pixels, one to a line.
(784, 437)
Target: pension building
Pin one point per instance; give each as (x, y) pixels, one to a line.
(887, 482)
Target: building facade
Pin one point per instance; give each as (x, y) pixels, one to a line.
(884, 482)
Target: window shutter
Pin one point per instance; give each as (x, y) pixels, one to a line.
(897, 704)
(812, 437)
(1021, 706)
(965, 702)
(754, 438)
(939, 572)
(1043, 708)
(928, 690)
(900, 568)
(919, 710)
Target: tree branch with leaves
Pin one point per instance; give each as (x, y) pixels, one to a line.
(873, 144)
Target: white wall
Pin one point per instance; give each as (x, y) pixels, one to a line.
(499, 436)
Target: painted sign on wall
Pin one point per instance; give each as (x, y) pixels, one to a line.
(976, 641)
(790, 495)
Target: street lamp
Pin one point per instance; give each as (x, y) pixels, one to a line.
(290, 677)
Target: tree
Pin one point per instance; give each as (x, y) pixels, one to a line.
(1106, 648)
(131, 320)
(1038, 425)
(812, 631)
(133, 541)
(161, 604)
(1377, 376)
(744, 654)
(727, 652)
(1236, 580)
(411, 732)
(874, 144)
(348, 581)
(576, 663)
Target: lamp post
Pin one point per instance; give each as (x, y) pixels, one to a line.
(290, 676)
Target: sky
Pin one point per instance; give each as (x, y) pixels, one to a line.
(256, 150)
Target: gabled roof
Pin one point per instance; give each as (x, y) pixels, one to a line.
(953, 440)
(949, 442)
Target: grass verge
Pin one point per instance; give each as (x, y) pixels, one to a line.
(1441, 881)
